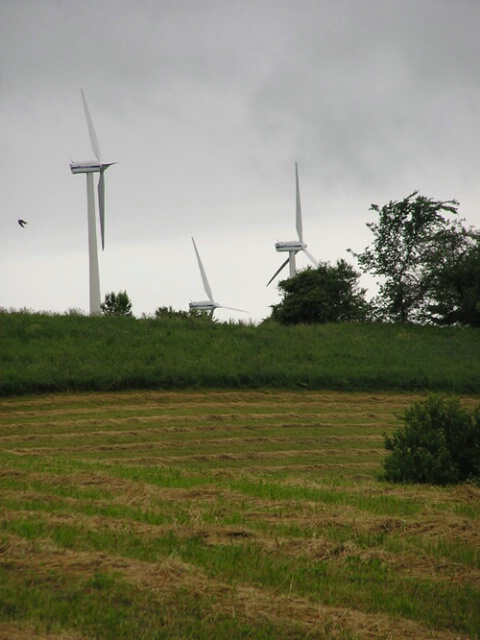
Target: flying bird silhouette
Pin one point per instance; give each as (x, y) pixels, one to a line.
(22, 223)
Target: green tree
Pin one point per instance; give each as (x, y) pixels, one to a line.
(405, 239)
(455, 277)
(117, 304)
(327, 294)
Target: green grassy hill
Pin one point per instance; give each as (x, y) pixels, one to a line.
(42, 352)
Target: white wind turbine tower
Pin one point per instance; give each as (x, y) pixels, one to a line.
(294, 246)
(89, 167)
(210, 304)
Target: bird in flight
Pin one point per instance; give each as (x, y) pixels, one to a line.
(22, 223)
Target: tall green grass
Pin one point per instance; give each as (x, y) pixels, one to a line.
(43, 353)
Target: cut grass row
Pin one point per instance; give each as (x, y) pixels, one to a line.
(273, 527)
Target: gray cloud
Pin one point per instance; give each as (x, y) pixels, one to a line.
(206, 106)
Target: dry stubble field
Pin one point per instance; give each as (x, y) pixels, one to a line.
(225, 515)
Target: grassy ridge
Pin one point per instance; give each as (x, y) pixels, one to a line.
(41, 353)
(226, 515)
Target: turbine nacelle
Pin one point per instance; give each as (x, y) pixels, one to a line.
(203, 305)
(94, 166)
(294, 245)
(89, 166)
(210, 304)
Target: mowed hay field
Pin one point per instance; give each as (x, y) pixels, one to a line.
(148, 515)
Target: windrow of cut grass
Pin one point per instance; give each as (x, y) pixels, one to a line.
(227, 515)
(44, 353)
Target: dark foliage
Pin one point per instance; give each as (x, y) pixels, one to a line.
(455, 277)
(166, 313)
(406, 238)
(327, 294)
(439, 444)
(117, 304)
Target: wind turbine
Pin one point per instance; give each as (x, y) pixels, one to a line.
(210, 304)
(89, 167)
(294, 246)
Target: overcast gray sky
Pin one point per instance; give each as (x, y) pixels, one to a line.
(206, 105)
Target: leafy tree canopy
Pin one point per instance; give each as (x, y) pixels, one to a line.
(327, 294)
(455, 277)
(117, 304)
(429, 266)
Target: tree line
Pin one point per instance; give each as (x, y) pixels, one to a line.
(426, 266)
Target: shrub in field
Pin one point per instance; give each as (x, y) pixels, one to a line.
(439, 444)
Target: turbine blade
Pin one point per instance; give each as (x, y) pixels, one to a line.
(91, 130)
(221, 306)
(101, 206)
(284, 264)
(299, 206)
(310, 257)
(206, 286)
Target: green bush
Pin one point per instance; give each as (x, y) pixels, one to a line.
(439, 444)
(117, 304)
